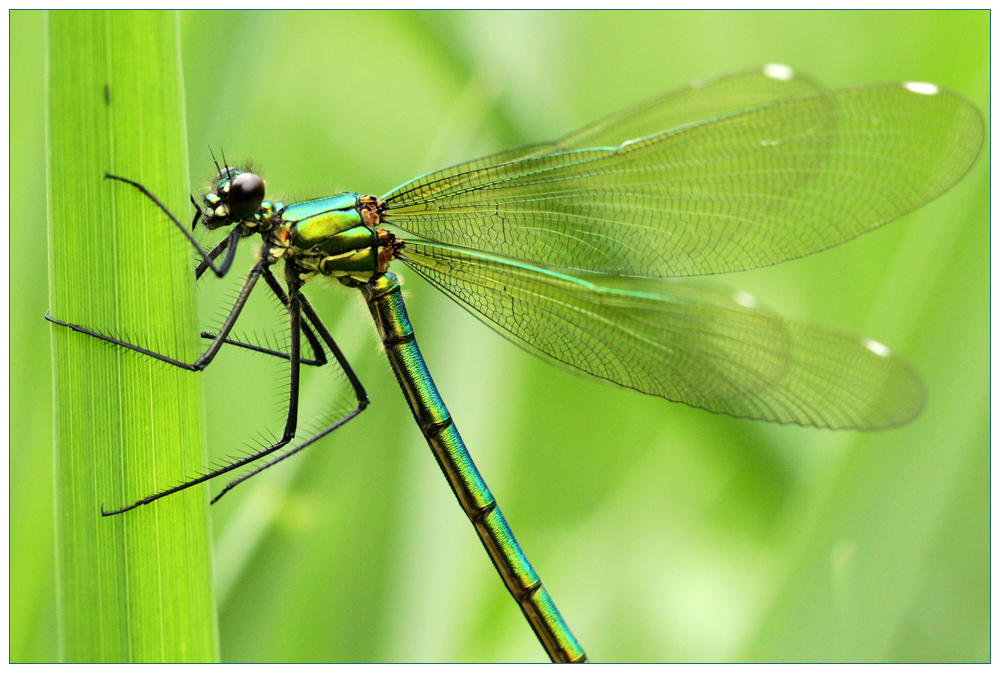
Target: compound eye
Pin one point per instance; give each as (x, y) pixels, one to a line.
(246, 193)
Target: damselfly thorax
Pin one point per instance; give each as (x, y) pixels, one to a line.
(334, 236)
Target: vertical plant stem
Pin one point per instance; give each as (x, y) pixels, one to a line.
(137, 586)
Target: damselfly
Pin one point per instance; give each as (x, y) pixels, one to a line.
(574, 249)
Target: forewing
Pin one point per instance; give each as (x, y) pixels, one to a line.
(779, 181)
(682, 342)
(702, 99)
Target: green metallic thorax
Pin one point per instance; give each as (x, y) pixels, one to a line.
(328, 236)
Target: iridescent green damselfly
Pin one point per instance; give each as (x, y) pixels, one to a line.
(577, 249)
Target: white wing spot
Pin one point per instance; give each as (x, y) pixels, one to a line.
(744, 299)
(922, 87)
(877, 348)
(778, 71)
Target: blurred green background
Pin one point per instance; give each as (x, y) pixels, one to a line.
(664, 533)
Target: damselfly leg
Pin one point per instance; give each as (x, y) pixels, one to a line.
(217, 341)
(231, 242)
(359, 391)
(295, 304)
(279, 292)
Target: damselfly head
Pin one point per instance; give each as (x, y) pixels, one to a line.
(234, 196)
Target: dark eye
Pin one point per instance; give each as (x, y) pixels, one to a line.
(246, 193)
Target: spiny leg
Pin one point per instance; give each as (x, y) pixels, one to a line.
(279, 292)
(217, 341)
(228, 243)
(359, 392)
(217, 250)
(314, 344)
(291, 452)
(291, 422)
(226, 264)
(359, 389)
(317, 348)
(267, 351)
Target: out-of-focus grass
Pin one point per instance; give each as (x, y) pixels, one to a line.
(664, 533)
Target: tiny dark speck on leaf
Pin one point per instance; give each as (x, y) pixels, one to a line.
(107, 94)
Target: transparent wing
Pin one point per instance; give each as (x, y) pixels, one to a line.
(702, 99)
(779, 181)
(686, 343)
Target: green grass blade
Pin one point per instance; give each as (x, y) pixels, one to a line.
(135, 587)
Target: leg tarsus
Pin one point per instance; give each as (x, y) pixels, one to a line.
(112, 512)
